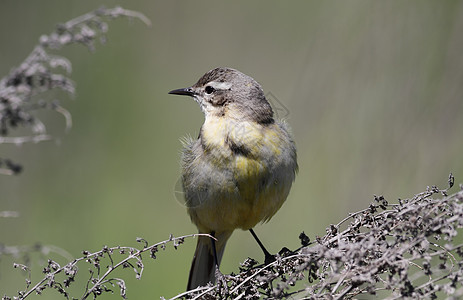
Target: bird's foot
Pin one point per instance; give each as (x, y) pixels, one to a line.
(269, 258)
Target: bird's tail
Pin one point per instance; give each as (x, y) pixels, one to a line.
(203, 266)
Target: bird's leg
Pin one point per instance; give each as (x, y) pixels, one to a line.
(269, 258)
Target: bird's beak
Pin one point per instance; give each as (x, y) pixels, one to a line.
(185, 92)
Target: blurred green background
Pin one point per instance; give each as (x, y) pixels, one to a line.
(373, 90)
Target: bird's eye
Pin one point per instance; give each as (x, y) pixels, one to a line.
(209, 89)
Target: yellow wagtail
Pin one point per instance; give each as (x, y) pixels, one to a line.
(240, 169)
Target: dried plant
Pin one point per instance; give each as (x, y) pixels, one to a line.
(101, 264)
(42, 71)
(392, 251)
(397, 251)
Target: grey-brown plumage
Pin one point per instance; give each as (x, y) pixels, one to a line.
(240, 169)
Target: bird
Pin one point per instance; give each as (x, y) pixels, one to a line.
(240, 169)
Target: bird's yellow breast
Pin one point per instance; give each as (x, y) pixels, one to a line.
(248, 178)
(218, 133)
